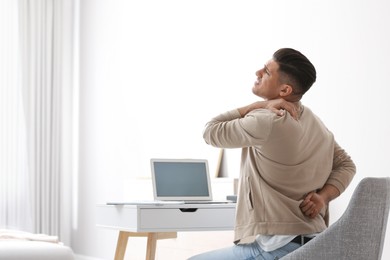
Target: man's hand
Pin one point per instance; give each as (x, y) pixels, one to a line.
(278, 106)
(314, 202)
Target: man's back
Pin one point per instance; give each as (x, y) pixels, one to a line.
(297, 156)
(290, 158)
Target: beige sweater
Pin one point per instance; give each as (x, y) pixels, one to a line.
(282, 160)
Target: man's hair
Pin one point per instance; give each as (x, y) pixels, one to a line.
(295, 69)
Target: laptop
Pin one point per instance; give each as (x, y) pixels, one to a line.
(186, 180)
(180, 181)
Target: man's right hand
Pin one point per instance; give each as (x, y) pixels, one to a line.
(314, 202)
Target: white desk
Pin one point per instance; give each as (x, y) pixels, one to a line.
(162, 221)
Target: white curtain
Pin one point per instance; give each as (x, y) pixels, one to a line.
(14, 179)
(43, 96)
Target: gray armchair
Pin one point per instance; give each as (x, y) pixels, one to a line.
(360, 231)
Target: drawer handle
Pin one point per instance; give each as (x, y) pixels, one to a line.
(188, 209)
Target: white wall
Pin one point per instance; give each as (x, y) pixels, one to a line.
(153, 72)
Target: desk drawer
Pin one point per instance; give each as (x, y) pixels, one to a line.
(187, 219)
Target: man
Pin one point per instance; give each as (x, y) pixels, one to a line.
(291, 165)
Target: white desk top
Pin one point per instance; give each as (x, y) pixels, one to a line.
(167, 218)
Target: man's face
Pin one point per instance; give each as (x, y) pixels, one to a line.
(267, 84)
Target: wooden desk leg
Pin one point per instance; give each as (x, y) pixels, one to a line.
(121, 245)
(151, 243)
(151, 246)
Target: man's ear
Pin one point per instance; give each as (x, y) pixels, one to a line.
(286, 90)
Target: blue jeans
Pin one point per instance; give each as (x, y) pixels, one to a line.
(250, 251)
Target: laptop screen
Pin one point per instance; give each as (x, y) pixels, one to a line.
(181, 179)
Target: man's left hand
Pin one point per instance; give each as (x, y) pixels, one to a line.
(278, 106)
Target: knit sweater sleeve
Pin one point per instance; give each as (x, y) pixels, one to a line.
(343, 169)
(230, 130)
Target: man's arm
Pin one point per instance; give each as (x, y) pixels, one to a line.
(342, 173)
(236, 129)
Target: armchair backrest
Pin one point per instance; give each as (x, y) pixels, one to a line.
(360, 231)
